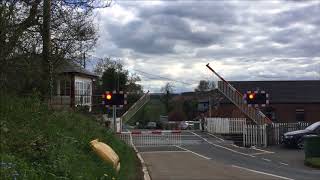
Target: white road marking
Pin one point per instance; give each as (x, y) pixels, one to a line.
(260, 172)
(205, 157)
(266, 159)
(237, 146)
(284, 164)
(215, 136)
(261, 153)
(223, 146)
(149, 152)
(262, 150)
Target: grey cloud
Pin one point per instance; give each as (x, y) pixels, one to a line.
(309, 14)
(138, 37)
(158, 35)
(219, 12)
(163, 36)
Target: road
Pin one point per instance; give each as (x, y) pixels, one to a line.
(204, 156)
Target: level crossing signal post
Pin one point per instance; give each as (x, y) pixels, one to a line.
(114, 100)
(256, 99)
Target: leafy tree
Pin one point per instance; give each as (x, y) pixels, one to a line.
(205, 86)
(50, 31)
(167, 91)
(113, 76)
(177, 115)
(190, 108)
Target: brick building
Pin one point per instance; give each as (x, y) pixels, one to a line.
(290, 101)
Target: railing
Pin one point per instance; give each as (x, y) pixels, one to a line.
(225, 125)
(237, 98)
(255, 135)
(151, 138)
(135, 107)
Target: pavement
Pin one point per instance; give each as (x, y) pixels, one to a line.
(203, 156)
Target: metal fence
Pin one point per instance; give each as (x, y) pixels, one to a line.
(151, 138)
(251, 135)
(276, 130)
(225, 125)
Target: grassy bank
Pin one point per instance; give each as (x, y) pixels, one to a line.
(37, 143)
(313, 162)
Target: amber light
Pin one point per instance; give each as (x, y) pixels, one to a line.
(109, 97)
(251, 96)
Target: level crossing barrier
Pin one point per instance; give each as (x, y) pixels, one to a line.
(151, 138)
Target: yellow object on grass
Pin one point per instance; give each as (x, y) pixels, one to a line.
(106, 153)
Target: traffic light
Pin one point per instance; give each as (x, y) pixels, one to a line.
(114, 98)
(256, 98)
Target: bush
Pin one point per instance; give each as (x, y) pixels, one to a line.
(37, 143)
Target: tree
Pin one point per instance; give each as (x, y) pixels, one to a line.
(113, 76)
(167, 91)
(177, 115)
(54, 30)
(190, 108)
(205, 86)
(206, 89)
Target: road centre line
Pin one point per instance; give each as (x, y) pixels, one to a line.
(260, 172)
(187, 150)
(223, 146)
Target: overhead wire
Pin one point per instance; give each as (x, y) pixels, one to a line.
(157, 77)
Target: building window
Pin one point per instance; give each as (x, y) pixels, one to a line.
(83, 92)
(300, 115)
(65, 87)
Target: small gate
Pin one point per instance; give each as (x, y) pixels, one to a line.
(255, 135)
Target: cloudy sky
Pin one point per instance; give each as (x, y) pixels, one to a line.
(242, 40)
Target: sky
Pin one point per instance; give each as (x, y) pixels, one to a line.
(172, 41)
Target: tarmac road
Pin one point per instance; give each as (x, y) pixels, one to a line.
(213, 158)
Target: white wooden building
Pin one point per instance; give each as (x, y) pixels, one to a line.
(74, 87)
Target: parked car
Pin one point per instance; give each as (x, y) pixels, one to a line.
(295, 138)
(183, 125)
(151, 125)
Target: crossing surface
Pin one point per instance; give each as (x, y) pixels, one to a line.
(205, 156)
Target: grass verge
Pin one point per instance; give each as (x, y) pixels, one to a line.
(313, 162)
(37, 143)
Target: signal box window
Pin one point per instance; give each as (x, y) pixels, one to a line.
(300, 114)
(65, 87)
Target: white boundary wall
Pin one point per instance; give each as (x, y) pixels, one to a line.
(225, 125)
